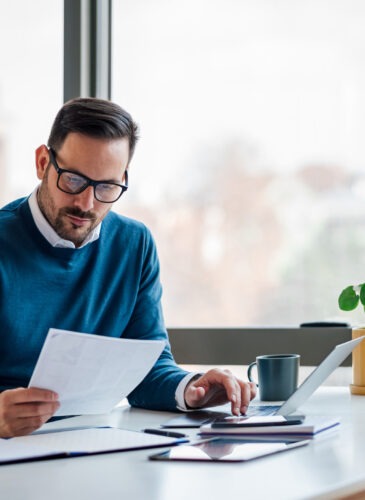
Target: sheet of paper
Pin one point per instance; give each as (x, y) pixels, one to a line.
(79, 442)
(11, 452)
(92, 373)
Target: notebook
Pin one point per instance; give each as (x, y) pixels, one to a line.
(311, 427)
(304, 391)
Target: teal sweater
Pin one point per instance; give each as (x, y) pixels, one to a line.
(109, 287)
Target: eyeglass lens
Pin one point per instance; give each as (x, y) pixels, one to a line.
(74, 184)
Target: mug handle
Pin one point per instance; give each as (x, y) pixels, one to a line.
(249, 370)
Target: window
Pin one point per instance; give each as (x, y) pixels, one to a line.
(31, 61)
(251, 168)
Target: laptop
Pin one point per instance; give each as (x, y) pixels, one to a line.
(304, 391)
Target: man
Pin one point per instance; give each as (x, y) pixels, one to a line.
(68, 262)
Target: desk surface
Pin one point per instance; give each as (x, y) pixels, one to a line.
(327, 468)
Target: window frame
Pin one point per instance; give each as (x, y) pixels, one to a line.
(87, 73)
(87, 49)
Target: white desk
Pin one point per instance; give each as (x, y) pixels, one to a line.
(325, 469)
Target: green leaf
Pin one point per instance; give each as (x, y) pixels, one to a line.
(362, 294)
(348, 299)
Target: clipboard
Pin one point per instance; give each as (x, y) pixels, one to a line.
(76, 443)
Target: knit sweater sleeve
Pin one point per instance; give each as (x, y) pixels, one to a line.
(157, 390)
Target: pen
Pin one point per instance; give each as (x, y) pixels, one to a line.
(160, 432)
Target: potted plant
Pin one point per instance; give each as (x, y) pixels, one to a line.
(348, 300)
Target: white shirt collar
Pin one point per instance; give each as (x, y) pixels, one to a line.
(49, 233)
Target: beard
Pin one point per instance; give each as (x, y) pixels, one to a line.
(59, 218)
(69, 231)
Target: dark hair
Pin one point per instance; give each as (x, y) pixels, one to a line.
(95, 118)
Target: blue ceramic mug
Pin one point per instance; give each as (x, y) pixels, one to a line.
(277, 374)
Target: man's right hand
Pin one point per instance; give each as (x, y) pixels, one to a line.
(22, 411)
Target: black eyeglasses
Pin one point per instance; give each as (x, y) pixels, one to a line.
(71, 183)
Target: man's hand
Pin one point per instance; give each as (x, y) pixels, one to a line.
(22, 411)
(217, 387)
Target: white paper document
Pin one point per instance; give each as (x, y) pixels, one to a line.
(92, 373)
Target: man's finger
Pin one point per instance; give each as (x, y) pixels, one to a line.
(245, 396)
(235, 398)
(28, 410)
(22, 428)
(194, 395)
(28, 395)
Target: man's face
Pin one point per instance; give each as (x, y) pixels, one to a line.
(74, 216)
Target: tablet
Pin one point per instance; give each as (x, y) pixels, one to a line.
(228, 450)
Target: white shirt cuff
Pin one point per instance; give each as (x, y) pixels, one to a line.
(180, 390)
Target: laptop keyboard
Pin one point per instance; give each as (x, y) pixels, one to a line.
(260, 411)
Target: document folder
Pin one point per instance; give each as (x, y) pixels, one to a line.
(78, 443)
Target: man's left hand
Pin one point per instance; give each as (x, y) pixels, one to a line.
(217, 387)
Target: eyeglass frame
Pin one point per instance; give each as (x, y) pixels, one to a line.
(89, 182)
